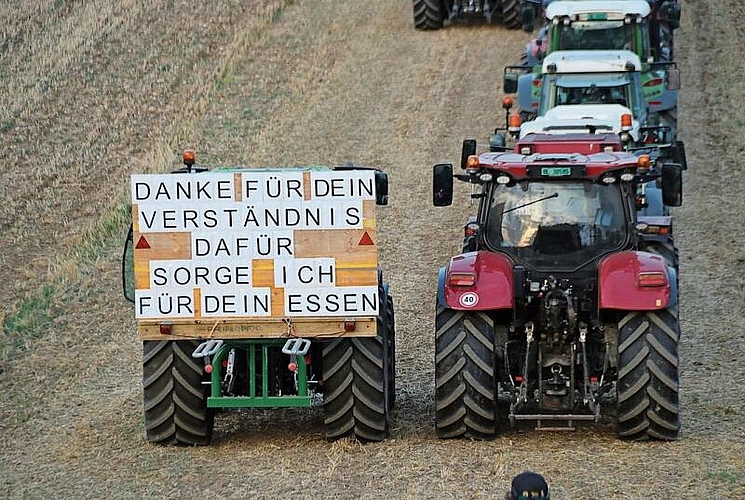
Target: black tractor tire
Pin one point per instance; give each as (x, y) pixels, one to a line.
(511, 16)
(465, 388)
(647, 389)
(391, 329)
(428, 14)
(356, 385)
(175, 400)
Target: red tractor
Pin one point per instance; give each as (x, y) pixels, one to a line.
(564, 305)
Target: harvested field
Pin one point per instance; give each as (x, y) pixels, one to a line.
(91, 92)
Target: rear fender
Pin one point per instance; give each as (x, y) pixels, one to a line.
(618, 275)
(493, 288)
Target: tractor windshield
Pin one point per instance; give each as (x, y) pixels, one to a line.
(557, 225)
(600, 35)
(592, 88)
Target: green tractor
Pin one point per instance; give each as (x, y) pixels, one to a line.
(260, 289)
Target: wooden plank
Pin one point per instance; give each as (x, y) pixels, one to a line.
(233, 329)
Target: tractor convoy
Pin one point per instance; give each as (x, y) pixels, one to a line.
(563, 306)
(260, 288)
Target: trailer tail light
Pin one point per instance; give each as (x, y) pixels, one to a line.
(350, 325)
(626, 122)
(653, 82)
(651, 280)
(165, 328)
(462, 279)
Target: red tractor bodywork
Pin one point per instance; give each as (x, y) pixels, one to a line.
(479, 281)
(633, 281)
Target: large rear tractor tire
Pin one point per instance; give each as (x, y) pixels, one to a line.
(511, 16)
(357, 384)
(648, 405)
(175, 399)
(428, 14)
(465, 388)
(391, 329)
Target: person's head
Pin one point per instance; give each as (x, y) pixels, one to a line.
(528, 486)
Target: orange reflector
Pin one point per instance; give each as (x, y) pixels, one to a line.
(165, 328)
(473, 161)
(462, 279)
(515, 121)
(507, 102)
(653, 279)
(189, 157)
(626, 120)
(644, 161)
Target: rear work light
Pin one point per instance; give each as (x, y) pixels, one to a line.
(651, 280)
(462, 279)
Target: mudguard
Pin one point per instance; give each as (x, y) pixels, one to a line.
(493, 288)
(618, 280)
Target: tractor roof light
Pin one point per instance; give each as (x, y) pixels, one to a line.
(644, 161)
(630, 66)
(503, 179)
(486, 177)
(627, 122)
(507, 102)
(514, 123)
(551, 68)
(654, 279)
(609, 179)
(526, 150)
(627, 19)
(627, 177)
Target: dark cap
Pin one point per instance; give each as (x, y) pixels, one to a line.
(530, 486)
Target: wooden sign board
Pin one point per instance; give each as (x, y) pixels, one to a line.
(269, 247)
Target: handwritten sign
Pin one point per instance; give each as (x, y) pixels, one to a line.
(254, 243)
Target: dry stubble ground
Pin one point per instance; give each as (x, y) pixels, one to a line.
(93, 92)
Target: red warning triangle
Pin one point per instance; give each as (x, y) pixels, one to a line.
(366, 240)
(142, 243)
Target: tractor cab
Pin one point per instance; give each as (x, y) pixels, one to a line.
(641, 26)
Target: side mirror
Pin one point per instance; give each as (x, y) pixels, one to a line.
(672, 184)
(469, 149)
(509, 84)
(381, 188)
(673, 79)
(442, 185)
(128, 267)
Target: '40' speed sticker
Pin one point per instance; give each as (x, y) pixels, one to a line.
(469, 299)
